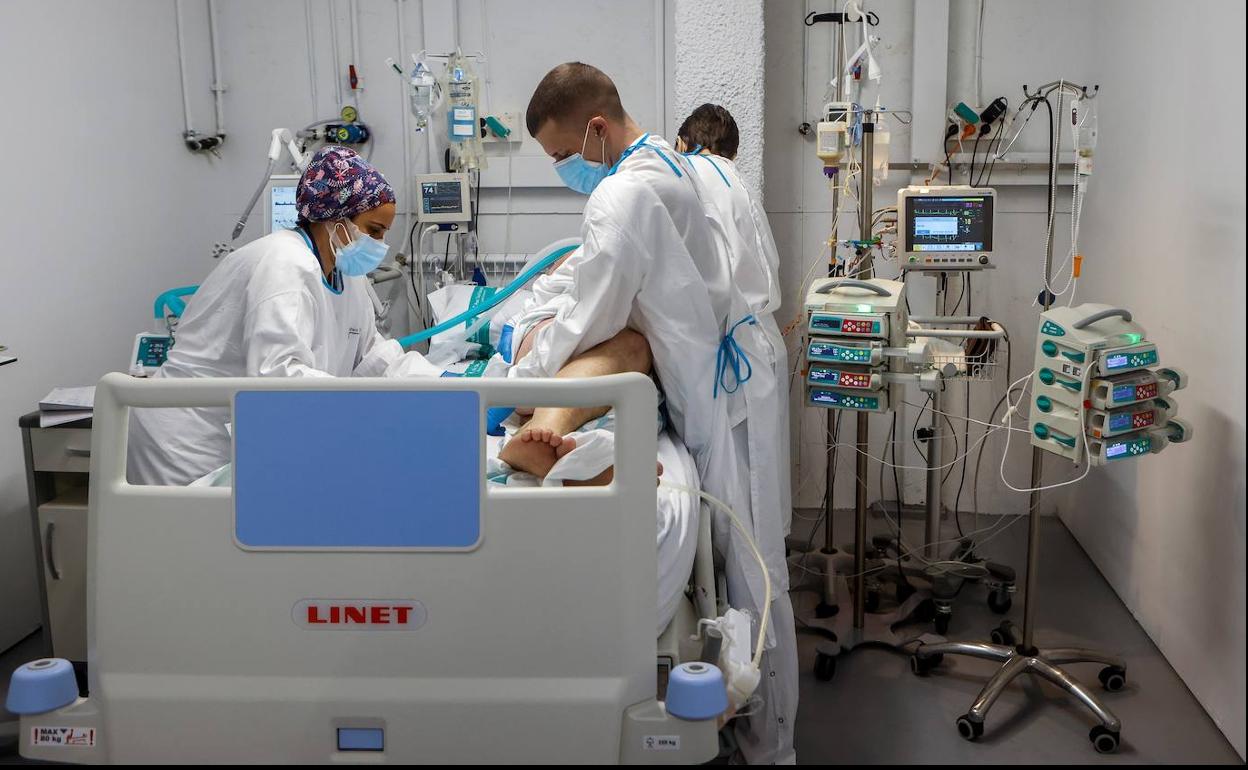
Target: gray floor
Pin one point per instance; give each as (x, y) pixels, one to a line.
(874, 711)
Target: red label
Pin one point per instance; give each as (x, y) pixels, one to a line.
(370, 614)
(352, 614)
(1145, 391)
(855, 380)
(1142, 419)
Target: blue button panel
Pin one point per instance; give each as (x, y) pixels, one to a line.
(357, 469)
(361, 739)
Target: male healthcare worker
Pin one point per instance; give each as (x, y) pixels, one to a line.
(709, 138)
(651, 261)
(291, 304)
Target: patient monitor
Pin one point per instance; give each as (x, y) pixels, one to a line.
(946, 228)
(280, 212)
(443, 198)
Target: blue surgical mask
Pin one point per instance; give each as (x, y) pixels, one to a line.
(360, 256)
(583, 175)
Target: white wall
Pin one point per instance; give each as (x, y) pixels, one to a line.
(1163, 234)
(1024, 43)
(104, 208)
(719, 59)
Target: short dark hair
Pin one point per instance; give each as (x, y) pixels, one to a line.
(712, 127)
(573, 91)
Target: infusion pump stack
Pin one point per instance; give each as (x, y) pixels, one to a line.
(852, 325)
(1099, 387)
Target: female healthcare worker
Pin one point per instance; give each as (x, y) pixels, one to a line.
(291, 304)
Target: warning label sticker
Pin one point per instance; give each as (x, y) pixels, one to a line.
(62, 736)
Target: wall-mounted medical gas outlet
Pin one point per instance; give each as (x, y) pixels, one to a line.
(501, 127)
(1097, 391)
(851, 324)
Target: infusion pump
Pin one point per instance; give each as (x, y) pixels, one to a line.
(851, 324)
(1099, 387)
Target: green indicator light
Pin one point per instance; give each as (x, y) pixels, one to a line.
(864, 308)
(1133, 338)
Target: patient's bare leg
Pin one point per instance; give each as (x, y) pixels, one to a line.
(534, 448)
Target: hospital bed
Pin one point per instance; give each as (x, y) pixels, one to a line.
(466, 623)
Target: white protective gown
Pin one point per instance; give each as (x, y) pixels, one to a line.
(761, 432)
(265, 311)
(644, 234)
(654, 261)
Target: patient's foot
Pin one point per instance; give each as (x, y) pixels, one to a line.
(564, 447)
(533, 450)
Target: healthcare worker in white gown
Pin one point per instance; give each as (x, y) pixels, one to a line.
(708, 138)
(294, 303)
(652, 261)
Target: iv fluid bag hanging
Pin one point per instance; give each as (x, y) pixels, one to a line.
(879, 157)
(461, 90)
(422, 84)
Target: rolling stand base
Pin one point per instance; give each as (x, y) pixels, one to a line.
(1045, 663)
(882, 629)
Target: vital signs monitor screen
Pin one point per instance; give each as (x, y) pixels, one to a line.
(282, 212)
(951, 223)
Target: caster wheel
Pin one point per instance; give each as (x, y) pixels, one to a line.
(1113, 678)
(1104, 740)
(872, 601)
(825, 667)
(1006, 634)
(942, 623)
(1000, 602)
(923, 666)
(969, 729)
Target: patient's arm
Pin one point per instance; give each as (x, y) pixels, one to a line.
(540, 443)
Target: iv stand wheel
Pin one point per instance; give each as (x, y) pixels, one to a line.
(970, 729)
(1104, 740)
(922, 666)
(999, 601)
(1006, 634)
(1113, 679)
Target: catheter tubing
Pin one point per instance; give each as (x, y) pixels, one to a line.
(497, 299)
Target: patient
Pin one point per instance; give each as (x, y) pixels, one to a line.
(539, 444)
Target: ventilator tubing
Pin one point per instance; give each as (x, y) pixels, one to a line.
(553, 253)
